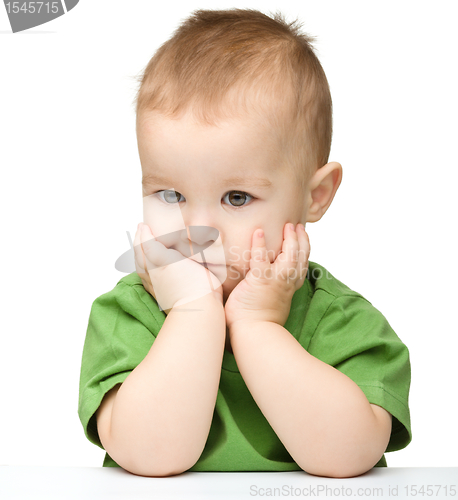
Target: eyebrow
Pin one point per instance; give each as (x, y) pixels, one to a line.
(249, 181)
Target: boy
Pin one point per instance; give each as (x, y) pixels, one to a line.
(228, 350)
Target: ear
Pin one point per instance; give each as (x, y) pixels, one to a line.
(322, 188)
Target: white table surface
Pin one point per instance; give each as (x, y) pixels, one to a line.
(105, 483)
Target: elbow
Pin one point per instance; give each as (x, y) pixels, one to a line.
(352, 456)
(145, 470)
(141, 459)
(338, 471)
(353, 463)
(140, 465)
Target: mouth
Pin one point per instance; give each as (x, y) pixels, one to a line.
(210, 264)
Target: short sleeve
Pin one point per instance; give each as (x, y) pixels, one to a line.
(121, 330)
(356, 339)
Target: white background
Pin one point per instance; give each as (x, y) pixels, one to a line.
(70, 189)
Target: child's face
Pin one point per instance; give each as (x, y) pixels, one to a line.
(210, 168)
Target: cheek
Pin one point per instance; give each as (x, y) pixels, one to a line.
(239, 250)
(161, 219)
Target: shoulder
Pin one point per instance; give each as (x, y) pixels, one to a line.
(329, 296)
(341, 322)
(129, 286)
(337, 316)
(128, 297)
(321, 294)
(322, 280)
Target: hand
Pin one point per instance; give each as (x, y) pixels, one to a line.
(266, 291)
(170, 277)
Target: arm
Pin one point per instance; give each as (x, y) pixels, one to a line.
(157, 422)
(321, 416)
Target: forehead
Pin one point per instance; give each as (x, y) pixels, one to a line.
(237, 150)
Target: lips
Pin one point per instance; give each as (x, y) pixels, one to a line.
(208, 263)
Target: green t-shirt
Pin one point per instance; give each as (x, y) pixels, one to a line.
(332, 322)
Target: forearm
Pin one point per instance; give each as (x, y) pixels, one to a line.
(163, 411)
(321, 416)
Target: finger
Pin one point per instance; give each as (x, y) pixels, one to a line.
(156, 254)
(259, 260)
(304, 252)
(289, 254)
(140, 264)
(148, 286)
(258, 246)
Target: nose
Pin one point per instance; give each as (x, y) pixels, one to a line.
(200, 236)
(201, 226)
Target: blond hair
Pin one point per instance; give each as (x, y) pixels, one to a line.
(223, 63)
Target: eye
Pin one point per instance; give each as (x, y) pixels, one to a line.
(237, 198)
(170, 196)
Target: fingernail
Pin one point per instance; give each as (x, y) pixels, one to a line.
(260, 234)
(291, 226)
